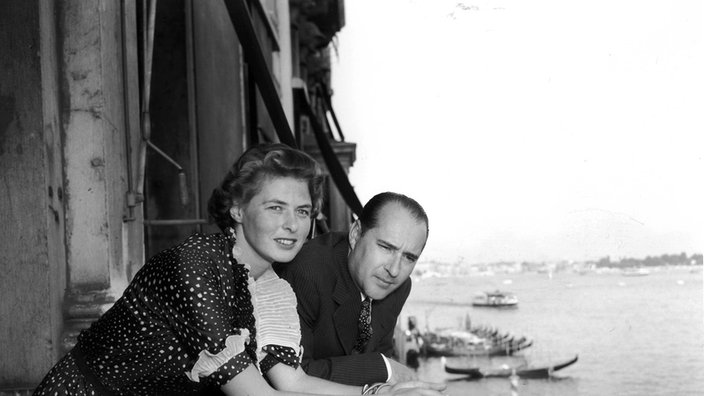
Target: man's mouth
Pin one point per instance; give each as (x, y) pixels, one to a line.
(385, 282)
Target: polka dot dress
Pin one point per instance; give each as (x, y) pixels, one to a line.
(185, 300)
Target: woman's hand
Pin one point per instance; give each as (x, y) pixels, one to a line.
(414, 388)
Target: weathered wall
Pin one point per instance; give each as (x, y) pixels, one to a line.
(68, 97)
(32, 258)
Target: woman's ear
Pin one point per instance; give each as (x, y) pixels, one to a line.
(236, 213)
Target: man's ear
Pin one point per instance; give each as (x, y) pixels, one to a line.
(236, 213)
(354, 234)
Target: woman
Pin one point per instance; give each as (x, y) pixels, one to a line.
(211, 313)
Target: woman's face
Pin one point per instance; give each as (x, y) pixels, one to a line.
(273, 226)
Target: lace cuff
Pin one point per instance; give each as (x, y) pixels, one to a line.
(208, 363)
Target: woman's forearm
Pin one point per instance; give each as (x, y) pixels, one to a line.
(288, 382)
(296, 380)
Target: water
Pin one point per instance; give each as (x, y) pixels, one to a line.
(634, 335)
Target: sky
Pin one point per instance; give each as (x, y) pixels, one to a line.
(537, 131)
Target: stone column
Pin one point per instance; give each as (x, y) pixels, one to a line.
(103, 233)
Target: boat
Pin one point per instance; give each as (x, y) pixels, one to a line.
(470, 372)
(522, 371)
(495, 299)
(478, 342)
(635, 272)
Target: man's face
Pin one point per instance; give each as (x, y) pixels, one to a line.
(384, 257)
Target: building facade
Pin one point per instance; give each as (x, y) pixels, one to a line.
(117, 119)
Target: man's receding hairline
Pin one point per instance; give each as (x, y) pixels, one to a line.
(418, 219)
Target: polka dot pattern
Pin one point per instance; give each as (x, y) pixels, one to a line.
(185, 300)
(279, 354)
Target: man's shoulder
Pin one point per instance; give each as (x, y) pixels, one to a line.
(324, 245)
(332, 238)
(316, 254)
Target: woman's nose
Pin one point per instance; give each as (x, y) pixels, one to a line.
(290, 222)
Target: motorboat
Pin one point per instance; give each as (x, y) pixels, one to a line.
(497, 299)
(635, 272)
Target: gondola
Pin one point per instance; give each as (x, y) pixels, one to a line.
(451, 347)
(521, 371)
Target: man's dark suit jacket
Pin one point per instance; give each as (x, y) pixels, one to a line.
(329, 305)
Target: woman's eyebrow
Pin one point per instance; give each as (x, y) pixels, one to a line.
(276, 201)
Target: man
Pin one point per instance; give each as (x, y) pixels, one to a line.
(335, 272)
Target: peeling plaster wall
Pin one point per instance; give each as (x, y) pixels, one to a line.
(93, 152)
(98, 74)
(32, 257)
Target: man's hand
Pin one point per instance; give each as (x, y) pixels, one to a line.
(401, 373)
(415, 388)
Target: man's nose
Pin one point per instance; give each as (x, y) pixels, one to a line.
(393, 266)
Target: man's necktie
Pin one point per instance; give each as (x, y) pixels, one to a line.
(364, 325)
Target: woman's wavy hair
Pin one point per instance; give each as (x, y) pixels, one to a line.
(245, 178)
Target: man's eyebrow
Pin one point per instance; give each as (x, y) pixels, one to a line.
(410, 255)
(387, 243)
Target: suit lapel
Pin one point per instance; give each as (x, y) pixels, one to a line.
(377, 324)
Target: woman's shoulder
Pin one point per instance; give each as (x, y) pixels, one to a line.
(199, 240)
(197, 248)
(203, 244)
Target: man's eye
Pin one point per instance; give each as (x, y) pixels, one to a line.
(385, 247)
(276, 208)
(304, 212)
